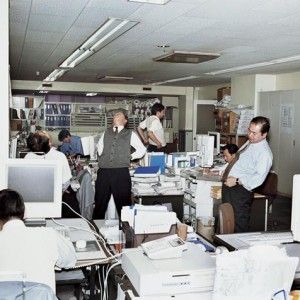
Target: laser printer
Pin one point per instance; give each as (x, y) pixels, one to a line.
(193, 272)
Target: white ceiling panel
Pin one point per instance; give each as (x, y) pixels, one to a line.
(43, 33)
(49, 23)
(43, 37)
(58, 7)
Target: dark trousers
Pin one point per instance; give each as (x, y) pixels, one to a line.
(69, 197)
(241, 200)
(152, 148)
(116, 182)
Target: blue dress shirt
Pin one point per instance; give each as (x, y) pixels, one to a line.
(74, 147)
(253, 165)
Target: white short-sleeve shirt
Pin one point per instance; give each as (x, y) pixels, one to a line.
(153, 124)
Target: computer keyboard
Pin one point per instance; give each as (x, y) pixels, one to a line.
(269, 238)
(64, 231)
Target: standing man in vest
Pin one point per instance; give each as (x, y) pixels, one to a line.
(247, 171)
(155, 130)
(113, 178)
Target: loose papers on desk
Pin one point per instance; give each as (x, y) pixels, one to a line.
(148, 219)
(255, 273)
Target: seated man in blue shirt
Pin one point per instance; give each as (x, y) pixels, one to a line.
(247, 171)
(71, 143)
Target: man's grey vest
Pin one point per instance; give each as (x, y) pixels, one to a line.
(116, 149)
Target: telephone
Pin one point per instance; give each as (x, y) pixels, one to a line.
(168, 247)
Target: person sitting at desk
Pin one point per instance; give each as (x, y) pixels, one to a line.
(32, 251)
(229, 151)
(39, 144)
(71, 144)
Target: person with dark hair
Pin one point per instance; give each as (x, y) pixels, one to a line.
(247, 171)
(32, 251)
(39, 144)
(113, 178)
(229, 151)
(155, 130)
(71, 144)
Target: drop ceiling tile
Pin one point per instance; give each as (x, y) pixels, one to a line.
(18, 15)
(43, 36)
(49, 23)
(58, 7)
(17, 30)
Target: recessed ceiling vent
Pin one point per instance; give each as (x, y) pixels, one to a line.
(186, 57)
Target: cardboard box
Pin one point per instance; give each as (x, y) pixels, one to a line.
(15, 125)
(221, 92)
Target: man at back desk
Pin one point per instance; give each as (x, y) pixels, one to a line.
(247, 171)
(71, 144)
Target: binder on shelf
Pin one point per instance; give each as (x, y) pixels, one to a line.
(150, 171)
(157, 159)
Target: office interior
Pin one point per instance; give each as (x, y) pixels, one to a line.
(253, 49)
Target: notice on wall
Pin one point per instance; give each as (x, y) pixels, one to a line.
(286, 117)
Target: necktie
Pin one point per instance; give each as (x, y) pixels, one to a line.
(234, 160)
(116, 130)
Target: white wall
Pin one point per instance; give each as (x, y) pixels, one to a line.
(243, 90)
(99, 88)
(288, 81)
(209, 92)
(170, 101)
(4, 92)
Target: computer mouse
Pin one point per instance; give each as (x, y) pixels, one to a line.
(221, 249)
(80, 244)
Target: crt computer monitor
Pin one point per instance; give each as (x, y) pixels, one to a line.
(39, 183)
(217, 137)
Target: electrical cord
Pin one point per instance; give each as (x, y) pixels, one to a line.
(105, 296)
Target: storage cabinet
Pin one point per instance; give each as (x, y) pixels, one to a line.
(282, 108)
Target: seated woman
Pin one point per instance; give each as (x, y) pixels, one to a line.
(40, 147)
(32, 251)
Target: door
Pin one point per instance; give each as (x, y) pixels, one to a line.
(203, 118)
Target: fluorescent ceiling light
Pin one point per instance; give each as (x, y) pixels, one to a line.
(55, 75)
(257, 65)
(161, 2)
(43, 92)
(175, 80)
(91, 94)
(108, 77)
(111, 29)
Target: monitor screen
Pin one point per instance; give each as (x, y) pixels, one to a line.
(39, 183)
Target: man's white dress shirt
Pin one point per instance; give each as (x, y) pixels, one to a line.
(135, 142)
(153, 124)
(34, 251)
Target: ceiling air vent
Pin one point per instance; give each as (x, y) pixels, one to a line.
(186, 57)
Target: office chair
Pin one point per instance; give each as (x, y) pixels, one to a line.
(13, 286)
(267, 192)
(226, 218)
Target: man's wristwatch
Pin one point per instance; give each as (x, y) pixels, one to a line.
(237, 181)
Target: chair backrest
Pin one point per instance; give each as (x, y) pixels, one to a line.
(269, 186)
(226, 218)
(19, 290)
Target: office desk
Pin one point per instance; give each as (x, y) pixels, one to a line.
(77, 234)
